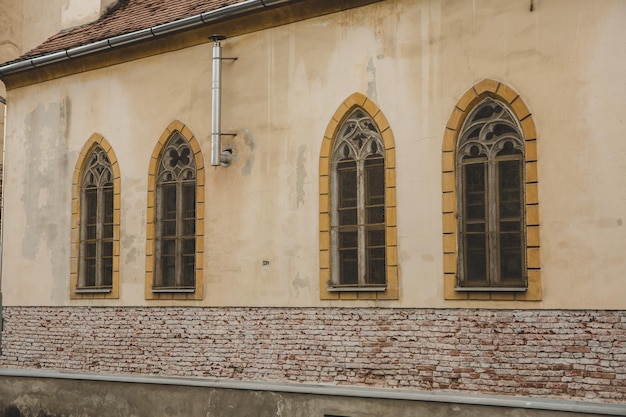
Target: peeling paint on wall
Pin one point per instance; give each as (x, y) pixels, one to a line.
(371, 80)
(46, 203)
(300, 175)
(250, 142)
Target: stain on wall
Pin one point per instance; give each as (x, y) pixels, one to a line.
(46, 188)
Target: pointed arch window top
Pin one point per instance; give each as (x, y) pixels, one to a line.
(98, 172)
(489, 130)
(358, 138)
(177, 163)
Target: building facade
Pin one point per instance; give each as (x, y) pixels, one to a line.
(412, 205)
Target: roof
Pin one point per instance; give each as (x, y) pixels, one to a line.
(124, 17)
(134, 21)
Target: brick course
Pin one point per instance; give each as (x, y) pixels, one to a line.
(577, 355)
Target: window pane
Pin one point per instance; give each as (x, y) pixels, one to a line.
(511, 260)
(168, 211)
(168, 201)
(510, 189)
(106, 275)
(189, 263)
(168, 228)
(347, 183)
(108, 207)
(347, 217)
(347, 193)
(189, 227)
(375, 190)
(474, 223)
(348, 240)
(376, 266)
(91, 214)
(107, 213)
(91, 206)
(476, 258)
(375, 215)
(90, 232)
(168, 271)
(510, 226)
(189, 201)
(107, 249)
(90, 250)
(90, 272)
(374, 181)
(168, 247)
(348, 267)
(107, 231)
(375, 238)
(474, 191)
(189, 247)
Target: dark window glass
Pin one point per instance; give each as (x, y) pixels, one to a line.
(475, 187)
(491, 183)
(176, 221)
(349, 270)
(96, 232)
(375, 189)
(347, 184)
(359, 252)
(375, 257)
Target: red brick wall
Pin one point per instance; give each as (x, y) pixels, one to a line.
(565, 354)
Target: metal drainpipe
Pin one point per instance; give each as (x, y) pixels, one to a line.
(4, 114)
(217, 156)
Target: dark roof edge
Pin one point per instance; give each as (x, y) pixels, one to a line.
(191, 22)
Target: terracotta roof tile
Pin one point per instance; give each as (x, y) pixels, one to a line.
(125, 17)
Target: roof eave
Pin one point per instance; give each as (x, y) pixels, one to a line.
(192, 22)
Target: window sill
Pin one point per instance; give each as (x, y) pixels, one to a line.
(357, 289)
(491, 289)
(93, 290)
(173, 290)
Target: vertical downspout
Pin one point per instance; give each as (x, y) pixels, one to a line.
(3, 101)
(217, 156)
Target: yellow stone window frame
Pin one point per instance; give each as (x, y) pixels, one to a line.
(343, 111)
(95, 140)
(473, 96)
(180, 128)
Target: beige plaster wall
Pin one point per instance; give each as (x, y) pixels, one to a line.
(24, 24)
(41, 19)
(78, 12)
(10, 41)
(415, 60)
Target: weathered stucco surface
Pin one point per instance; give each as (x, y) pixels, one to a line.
(415, 60)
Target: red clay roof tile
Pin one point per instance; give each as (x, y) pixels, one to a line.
(125, 17)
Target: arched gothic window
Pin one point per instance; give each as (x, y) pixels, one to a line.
(358, 204)
(175, 260)
(490, 184)
(96, 231)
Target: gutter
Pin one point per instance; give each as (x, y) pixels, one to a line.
(528, 403)
(192, 22)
